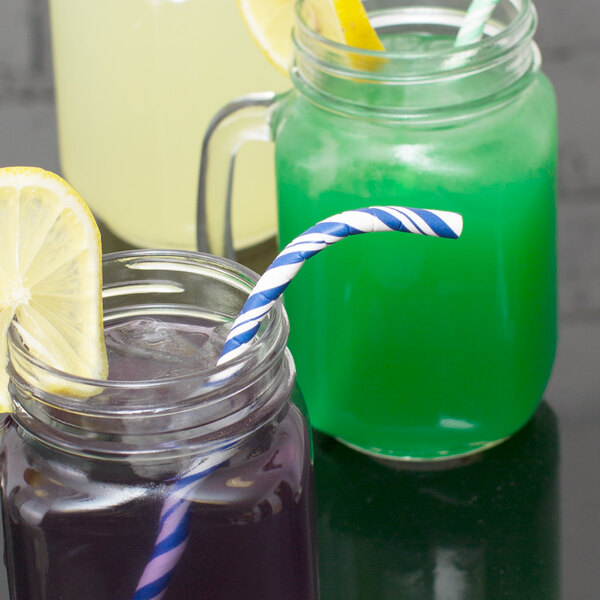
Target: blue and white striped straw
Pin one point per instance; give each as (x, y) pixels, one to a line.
(277, 277)
(174, 520)
(174, 529)
(473, 25)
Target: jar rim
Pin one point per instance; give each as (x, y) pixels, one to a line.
(513, 30)
(439, 83)
(259, 356)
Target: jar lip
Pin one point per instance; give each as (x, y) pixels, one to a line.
(500, 41)
(274, 333)
(429, 82)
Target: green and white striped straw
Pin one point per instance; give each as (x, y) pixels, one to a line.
(477, 15)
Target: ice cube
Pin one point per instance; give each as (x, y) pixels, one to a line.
(157, 348)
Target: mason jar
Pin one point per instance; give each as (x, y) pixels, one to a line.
(174, 478)
(408, 347)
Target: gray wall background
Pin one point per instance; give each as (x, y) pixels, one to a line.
(569, 38)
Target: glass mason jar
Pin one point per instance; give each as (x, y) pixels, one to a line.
(410, 347)
(173, 477)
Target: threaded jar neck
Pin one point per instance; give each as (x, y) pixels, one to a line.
(421, 76)
(208, 407)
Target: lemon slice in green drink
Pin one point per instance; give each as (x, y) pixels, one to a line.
(50, 275)
(270, 23)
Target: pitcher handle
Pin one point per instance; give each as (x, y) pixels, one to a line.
(244, 119)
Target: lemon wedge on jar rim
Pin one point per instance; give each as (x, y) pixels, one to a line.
(50, 275)
(270, 22)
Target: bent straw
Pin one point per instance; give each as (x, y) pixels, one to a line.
(174, 520)
(475, 19)
(325, 233)
(173, 531)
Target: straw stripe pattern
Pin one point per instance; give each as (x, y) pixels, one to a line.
(173, 533)
(473, 25)
(325, 233)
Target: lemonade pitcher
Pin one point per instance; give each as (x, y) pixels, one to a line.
(409, 348)
(136, 84)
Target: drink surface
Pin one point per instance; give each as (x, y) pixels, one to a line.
(86, 528)
(137, 83)
(418, 347)
(148, 347)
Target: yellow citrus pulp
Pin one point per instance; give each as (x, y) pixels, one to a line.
(50, 275)
(270, 23)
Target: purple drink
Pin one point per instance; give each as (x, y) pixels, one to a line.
(245, 542)
(83, 493)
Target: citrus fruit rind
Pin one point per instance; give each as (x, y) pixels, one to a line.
(50, 276)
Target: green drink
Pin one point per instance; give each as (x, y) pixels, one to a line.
(405, 346)
(453, 343)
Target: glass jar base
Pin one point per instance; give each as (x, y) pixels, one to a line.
(418, 463)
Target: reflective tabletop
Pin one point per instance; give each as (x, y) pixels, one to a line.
(487, 528)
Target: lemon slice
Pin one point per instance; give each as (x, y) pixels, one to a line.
(270, 22)
(50, 275)
(356, 27)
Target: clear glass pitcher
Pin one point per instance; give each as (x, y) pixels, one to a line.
(406, 347)
(136, 84)
(175, 478)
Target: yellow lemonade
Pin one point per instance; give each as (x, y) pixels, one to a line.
(137, 82)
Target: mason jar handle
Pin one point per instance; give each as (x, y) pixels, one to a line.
(244, 119)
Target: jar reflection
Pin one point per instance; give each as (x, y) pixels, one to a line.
(488, 529)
